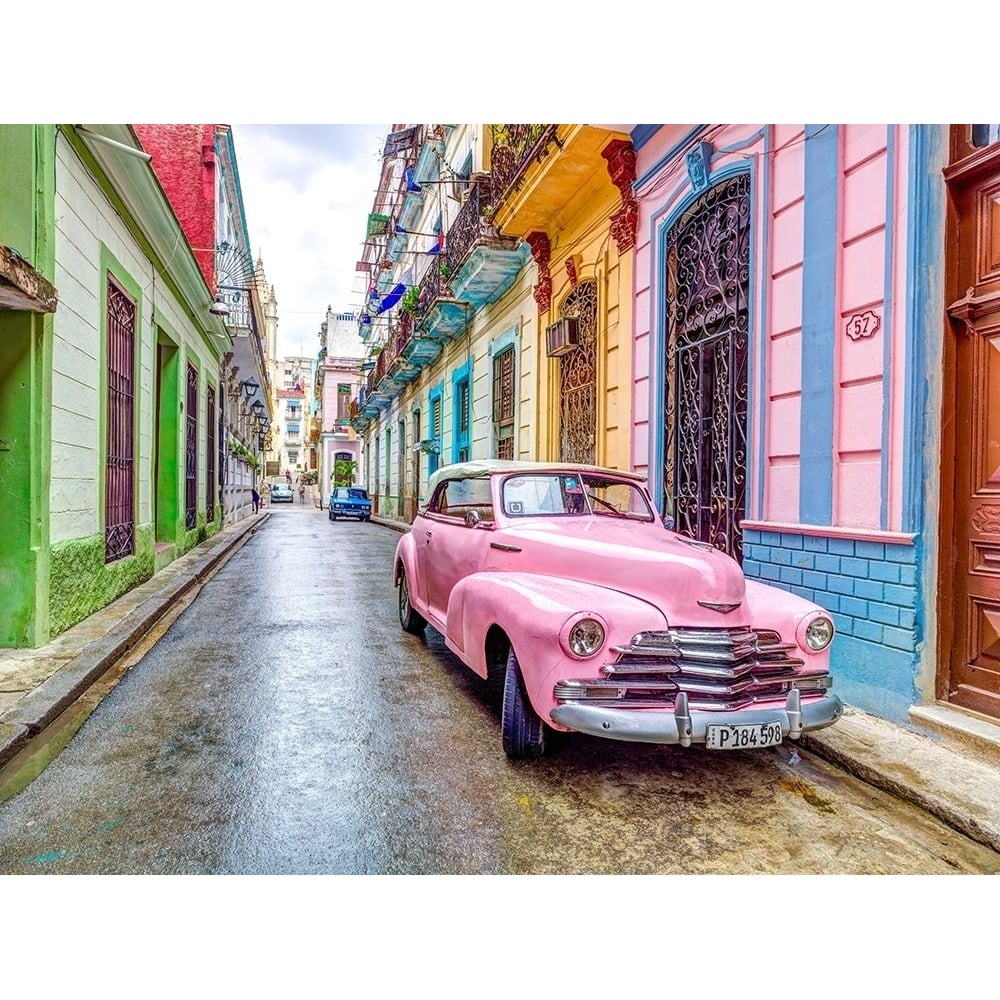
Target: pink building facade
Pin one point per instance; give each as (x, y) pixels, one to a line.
(340, 374)
(788, 304)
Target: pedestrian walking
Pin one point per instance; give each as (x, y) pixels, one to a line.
(302, 492)
(255, 496)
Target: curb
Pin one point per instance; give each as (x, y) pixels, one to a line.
(959, 790)
(42, 706)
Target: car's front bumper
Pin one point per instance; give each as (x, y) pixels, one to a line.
(684, 727)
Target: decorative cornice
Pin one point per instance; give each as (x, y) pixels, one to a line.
(972, 309)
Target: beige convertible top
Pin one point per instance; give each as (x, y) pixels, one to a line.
(483, 468)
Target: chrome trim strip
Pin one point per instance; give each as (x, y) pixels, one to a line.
(671, 727)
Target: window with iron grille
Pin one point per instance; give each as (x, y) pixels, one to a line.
(343, 401)
(503, 403)
(210, 450)
(191, 453)
(119, 495)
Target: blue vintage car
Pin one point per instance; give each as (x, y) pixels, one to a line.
(350, 501)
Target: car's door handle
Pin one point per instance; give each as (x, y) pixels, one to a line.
(427, 533)
(505, 548)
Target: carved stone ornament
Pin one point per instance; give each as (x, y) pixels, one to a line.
(621, 168)
(699, 165)
(541, 252)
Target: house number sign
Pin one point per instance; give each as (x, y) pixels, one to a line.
(863, 324)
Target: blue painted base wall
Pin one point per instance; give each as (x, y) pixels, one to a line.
(870, 589)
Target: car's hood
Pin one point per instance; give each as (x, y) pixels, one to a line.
(644, 560)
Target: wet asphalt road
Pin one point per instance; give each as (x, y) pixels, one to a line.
(285, 724)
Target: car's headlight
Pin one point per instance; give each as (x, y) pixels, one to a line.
(584, 637)
(816, 633)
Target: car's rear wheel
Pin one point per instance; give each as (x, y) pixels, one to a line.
(411, 621)
(523, 730)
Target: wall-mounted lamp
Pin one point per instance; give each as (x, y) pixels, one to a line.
(257, 406)
(250, 386)
(219, 307)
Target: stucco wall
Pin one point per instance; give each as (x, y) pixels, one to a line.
(91, 241)
(828, 358)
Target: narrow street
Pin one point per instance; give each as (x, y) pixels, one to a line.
(285, 724)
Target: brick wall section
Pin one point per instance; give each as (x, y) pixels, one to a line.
(870, 587)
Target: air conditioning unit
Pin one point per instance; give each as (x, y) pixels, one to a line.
(562, 337)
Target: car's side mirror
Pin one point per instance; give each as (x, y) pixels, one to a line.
(472, 518)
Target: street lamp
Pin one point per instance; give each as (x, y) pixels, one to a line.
(250, 386)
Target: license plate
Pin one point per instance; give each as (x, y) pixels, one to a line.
(743, 737)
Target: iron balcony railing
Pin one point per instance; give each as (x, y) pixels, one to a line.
(514, 148)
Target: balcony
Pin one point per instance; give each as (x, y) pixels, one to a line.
(538, 170)
(440, 315)
(358, 420)
(481, 263)
(477, 267)
(413, 346)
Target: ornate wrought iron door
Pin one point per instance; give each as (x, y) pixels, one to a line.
(578, 379)
(707, 283)
(119, 497)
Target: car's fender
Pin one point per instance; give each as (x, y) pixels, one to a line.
(406, 559)
(533, 610)
(785, 612)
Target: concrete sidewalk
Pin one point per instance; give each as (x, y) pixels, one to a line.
(947, 764)
(38, 685)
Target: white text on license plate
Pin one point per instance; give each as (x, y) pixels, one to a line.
(743, 737)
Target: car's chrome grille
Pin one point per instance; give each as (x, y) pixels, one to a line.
(718, 669)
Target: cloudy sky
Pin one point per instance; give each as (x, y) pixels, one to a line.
(307, 192)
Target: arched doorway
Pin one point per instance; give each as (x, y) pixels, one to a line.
(578, 379)
(707, 280)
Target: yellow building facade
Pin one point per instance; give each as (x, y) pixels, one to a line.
(498, 269)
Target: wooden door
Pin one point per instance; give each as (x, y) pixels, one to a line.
(970, 522)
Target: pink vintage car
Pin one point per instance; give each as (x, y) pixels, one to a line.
(561, 587)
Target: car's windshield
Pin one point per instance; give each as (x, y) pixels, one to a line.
(358, 494)
(572, 494)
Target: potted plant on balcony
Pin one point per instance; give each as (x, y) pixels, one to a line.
(410, 301)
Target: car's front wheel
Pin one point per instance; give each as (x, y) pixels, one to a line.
(331, 515)
(411, 621)
(523, 730)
